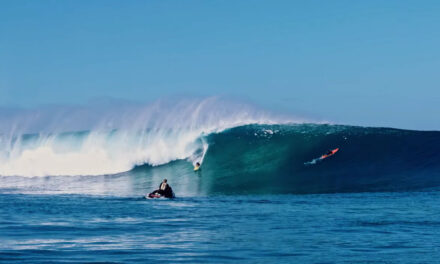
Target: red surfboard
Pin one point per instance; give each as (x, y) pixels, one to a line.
(332, 152)
(153, 195)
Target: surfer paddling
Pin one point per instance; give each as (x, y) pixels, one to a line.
(329, 153)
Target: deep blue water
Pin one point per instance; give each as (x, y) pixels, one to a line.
(399, 227)
(263, 195)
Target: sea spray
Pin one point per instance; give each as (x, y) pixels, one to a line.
(112, 137)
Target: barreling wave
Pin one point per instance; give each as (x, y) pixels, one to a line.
(115, 137)
(276, 159)
(243, 150)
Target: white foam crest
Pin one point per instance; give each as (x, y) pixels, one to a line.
(118, 137)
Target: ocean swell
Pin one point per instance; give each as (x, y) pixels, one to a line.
(275, 159)
(115, 137)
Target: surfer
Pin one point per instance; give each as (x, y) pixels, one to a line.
(164, 190)
(329, 153)
(197, 167)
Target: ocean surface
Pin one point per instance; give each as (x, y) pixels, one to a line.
(73, 191)
(398, 227)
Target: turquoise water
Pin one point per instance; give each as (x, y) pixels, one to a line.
(400, 227)
(251, 159)
(262, 196)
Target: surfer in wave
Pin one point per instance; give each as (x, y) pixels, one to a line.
(328, 154)
(197, 166)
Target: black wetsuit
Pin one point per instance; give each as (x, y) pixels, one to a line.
(167, 192)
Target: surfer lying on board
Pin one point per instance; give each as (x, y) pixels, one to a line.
(329, 153)
(164, 190)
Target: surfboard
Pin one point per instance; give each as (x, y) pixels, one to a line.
(330, 154)
(152, 196)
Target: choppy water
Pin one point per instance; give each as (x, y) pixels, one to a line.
(326, 228)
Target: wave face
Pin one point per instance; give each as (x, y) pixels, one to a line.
(274, 159)
(242, 150)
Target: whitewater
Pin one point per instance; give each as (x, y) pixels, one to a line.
(122, 148)
(113, 137)
(73, 181)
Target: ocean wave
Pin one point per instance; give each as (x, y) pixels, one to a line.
(267, 159)
(115, 137)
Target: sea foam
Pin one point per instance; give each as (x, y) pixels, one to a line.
(113, 137)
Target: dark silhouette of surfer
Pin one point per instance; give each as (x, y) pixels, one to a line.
(331, 152)
(164, 190)
(197, 166)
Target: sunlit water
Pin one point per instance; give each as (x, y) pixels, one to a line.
(330, 228)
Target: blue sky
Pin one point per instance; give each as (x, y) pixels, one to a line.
(356, 62)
